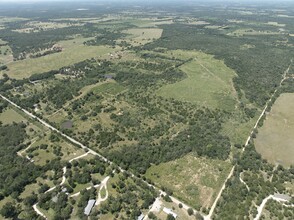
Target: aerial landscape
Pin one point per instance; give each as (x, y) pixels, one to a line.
(132, 109)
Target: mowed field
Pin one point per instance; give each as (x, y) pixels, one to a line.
(137, 36)
(209, 82)
(194, 180)
(9, 116)
(275, 138)
(74, 51)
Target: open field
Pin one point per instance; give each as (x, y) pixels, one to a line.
(275, 138)
(36, 26)
(209, 83)
(9, 116)
(237, 130)
(142, 35)
(41, 155)
(276, 24)
(4, 20)
(194, 180)
(5, 53)
(242, 32)
(109, 88)
(74, 51)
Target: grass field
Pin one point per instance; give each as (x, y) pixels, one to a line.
(142, 35)
(69, 151)
(209, 82)
(36, 26)
(273, 23)
(6, 54)
(275, 138)
(194, 180)
(238, 130)
(73, 51)
(4, 20)
(242, 32)
(9, 116)
(110, 88)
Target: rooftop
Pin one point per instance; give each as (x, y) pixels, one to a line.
(89, 207)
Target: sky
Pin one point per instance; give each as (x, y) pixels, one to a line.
(133, 0)
(84, 1)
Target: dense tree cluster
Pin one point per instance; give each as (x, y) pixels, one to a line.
(259, 69)
(127, 204)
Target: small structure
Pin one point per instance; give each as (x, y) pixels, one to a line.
(89, 207)
(170, 212)
(141, 217)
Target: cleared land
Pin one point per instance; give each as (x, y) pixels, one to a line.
(242, 32)
(40, 156)
(111, 88)
(138, 36)
(9, 116)
(5, 53)
(194, 180)
(209, 82)
(74, 51)
(275, 139)
(4, 20)
(35, 26)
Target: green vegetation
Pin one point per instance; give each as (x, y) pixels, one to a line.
(209, 83)
(274, 139)
(166, 92)
(73, 51)
(9, 116)
(196, 181)
(111, 88)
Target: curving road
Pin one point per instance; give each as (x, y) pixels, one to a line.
(264, 201)
(103, 185)
(72, 140)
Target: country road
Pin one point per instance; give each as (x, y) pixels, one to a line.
(208, 217)
(19, 153)
(38, 211)
(103, 185)
(72, 140)
(264, 201)
(176, 201)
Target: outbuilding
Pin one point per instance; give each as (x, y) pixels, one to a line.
(170, 212)
(89, 207)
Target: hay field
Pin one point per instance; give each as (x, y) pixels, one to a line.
(275, 138)
(74, 51)
(137, 36)
(10, 115)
